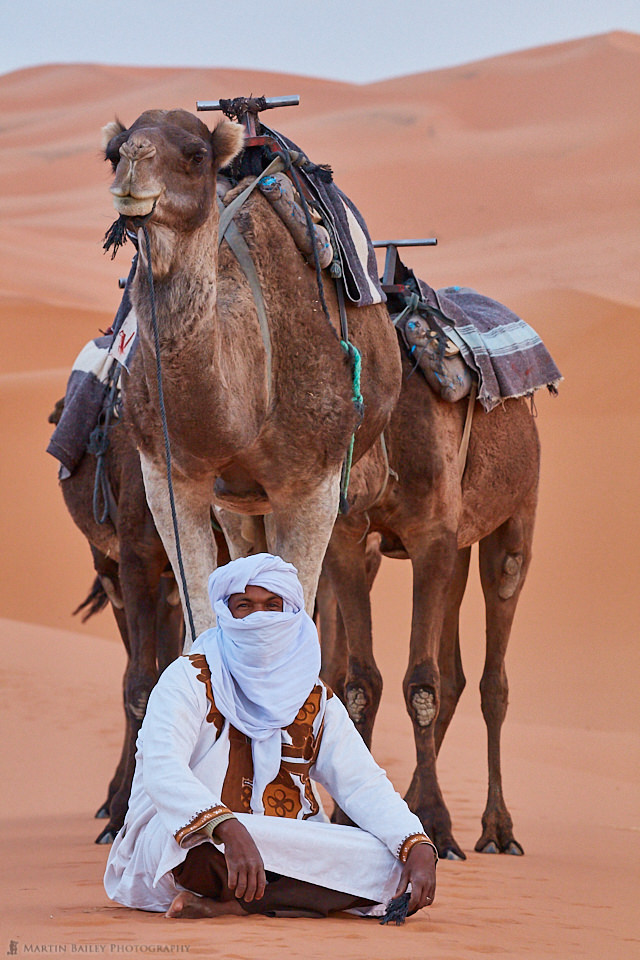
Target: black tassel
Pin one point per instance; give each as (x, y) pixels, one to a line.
(116, 236)
(397, 910)
(96, 601)
(322, 171)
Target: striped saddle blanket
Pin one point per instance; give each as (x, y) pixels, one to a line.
(507, 356)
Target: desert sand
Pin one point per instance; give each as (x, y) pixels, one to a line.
(525, 168)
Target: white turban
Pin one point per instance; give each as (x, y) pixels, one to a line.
(263, 667)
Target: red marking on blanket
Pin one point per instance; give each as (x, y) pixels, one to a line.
(124, 341)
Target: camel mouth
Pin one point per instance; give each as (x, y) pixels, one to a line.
(134, 206)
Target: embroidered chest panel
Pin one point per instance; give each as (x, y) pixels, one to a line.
(290, 794)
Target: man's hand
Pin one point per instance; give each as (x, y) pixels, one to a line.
(420, 872)
(245, 868)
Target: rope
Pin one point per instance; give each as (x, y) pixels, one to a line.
(165, 432)
(388, 472)
(358, 402)
(314, 249)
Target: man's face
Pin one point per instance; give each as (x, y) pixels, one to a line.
(252, 600)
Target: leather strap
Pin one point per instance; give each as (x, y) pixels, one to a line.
(466, 433)
(388, 472)
(243, 255)
(227, 213)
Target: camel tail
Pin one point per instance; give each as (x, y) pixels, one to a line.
(95, 601)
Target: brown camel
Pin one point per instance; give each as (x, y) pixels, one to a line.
(134, 574)
(272, 436)
(431, 515)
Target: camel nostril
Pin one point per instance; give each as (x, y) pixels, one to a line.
(137, 149)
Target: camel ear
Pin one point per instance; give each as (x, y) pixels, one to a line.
(110, 131)
(227, 140)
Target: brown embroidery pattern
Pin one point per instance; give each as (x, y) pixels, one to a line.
(299, 774)
(301, 730)
(199, 662)
(238, 781)
(309, 710)
(245, 795)
(199, 821)
(282, 797)
(291, 792)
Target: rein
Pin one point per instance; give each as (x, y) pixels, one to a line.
(165, 431)
(115, 237)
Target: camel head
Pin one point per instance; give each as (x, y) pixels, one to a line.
(165, 167)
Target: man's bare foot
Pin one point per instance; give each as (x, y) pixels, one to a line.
(189, 906)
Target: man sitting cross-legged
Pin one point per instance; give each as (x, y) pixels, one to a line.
(224, 818)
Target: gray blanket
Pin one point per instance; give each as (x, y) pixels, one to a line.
(505, 353)
(86, 391)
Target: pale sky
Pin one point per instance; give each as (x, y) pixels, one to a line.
(354, 40)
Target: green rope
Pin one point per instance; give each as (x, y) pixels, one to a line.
(356, 368)
(358, 402)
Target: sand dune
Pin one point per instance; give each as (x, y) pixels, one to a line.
(525, 167)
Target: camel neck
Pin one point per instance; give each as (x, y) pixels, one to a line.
(184, 287)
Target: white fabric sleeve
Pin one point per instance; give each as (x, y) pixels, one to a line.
(345, 767)
(170, 731)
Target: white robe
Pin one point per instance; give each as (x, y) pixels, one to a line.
(181, 763)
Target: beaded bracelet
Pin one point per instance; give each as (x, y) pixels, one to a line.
(411, 841)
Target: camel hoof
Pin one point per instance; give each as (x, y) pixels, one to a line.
(514, 849)
(452, 853)
(108, 835)
(490, 847)
(102, 813)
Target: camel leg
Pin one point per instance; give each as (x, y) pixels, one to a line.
(504, 561)
(155, 629)
(198, 547)
(433, 559)
(452, 679)
(333, 641)
(346, 564)
(169, 623)
(120, 786)
(102, 813)
(244, 534)
(354, 674)
(300, 527)
(108, 574)
(144, 592)
(108, 832)
(333, 638)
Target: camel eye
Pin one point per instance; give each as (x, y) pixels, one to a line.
(194, 152)
(112, 153)
(113, 157)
